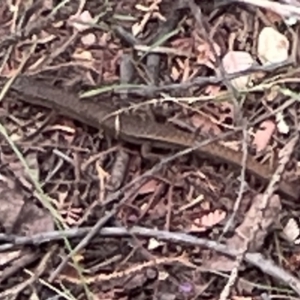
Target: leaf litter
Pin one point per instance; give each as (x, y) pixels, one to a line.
(81, 48)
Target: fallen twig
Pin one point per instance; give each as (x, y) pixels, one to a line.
(256, 259)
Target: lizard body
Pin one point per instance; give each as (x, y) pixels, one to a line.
(134, 129)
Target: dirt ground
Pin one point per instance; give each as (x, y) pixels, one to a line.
(149, 149)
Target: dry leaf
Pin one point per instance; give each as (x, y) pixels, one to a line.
(83, 55)
(213, 218)
(242, 233)
(282, 126)
(19, 171)
(11, 203)
(154, 243)
(263, 135)
(149, 187)
(291, 231)
(88, 39)
(33, 220)
(244, 287)
(162, 276)
(219, 263)
(207, 221)
(72, 215)
(69, 270)
(196, 227)
(290, 21)
(272, 46)
(237, 61)
(77, 21)
(254, 216)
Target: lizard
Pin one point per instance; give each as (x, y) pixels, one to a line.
(134, 129)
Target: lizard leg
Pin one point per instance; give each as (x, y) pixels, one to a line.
(146, 152)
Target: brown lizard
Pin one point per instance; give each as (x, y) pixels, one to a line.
(131, 128)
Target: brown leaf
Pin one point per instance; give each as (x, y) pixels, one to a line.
(33, 220)
(253, 216)
(73, 215)
(273, 46)
(236, 61)
(291, 231)
(244, 287)
(282, 125)
(11, 203)
(263, 135)
(207, 221)
(69, 270)
(213, 218)
(17, 168)
(219, 263)
(149, 187)
(84, 17)
(88, 39)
